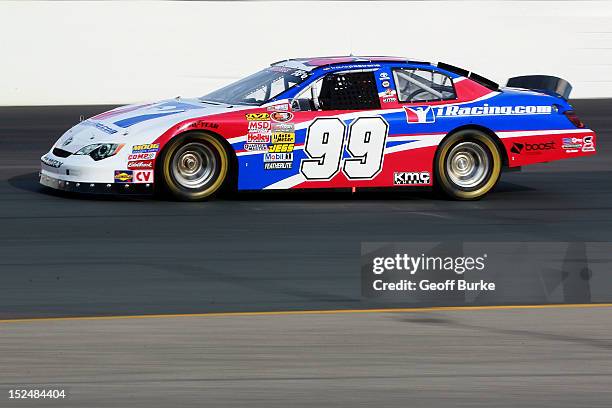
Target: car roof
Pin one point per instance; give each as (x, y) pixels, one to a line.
(310, 63)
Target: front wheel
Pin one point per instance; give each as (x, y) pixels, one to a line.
(194, 167)
(468, 165)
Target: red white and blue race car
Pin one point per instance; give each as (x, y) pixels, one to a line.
(333, 122)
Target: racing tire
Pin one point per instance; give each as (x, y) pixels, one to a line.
(194, 167)
(467, 165)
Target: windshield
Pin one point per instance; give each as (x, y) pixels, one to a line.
(258, 88)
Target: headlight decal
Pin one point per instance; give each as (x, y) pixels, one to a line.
(100, 151)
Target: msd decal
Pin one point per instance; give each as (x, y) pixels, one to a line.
(419, 114)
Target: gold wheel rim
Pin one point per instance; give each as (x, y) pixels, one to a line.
(223, 166)
(495, 168)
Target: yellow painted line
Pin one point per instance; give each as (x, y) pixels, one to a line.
(319, 312)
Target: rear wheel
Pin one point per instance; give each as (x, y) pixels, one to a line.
(194, 167)
(468, 165)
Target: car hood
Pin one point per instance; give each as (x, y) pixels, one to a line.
(128, 122)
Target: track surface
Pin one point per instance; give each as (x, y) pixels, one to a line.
(79, 256)
(63, 256)
(504, 358)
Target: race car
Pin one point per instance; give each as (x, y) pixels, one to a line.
(328, 122)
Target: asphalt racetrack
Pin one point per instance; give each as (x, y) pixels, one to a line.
(82, 256)
(78, 256)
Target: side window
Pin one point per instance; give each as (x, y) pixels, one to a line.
(349, 90)
(420, 85)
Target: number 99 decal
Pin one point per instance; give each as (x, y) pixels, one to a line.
(325, 141)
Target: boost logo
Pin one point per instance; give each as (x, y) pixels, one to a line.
(520, 148)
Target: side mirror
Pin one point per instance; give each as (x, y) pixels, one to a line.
(302, 105)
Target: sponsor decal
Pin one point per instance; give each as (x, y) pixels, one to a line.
(411, 178)
(258, 138)
(279, 68)
(532, 148)
(140, 164)
(145, 148)
(292, 71)
(486, 110)
(279, 107)
(383, 76)
(281, 116)
(350, 66)
(388, 100)
(419, 114)
(143, 176)
(278, 157)
(259, 126)
(142, 156)
(300, 73)
(255, 147)
(99, 126)
(283, 137)
(202, 124)
(283, 127)
(258, 116)
(576, 144)
(277, 166)
(124, 176)
(385, 84)
(281, 148)
(259, 132)
(105, 128)
(51, 162)
(587, 145)
(571, 144)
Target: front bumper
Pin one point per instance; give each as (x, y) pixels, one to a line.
(80, 174)
(95, 188)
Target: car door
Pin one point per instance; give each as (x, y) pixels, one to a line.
(415, 130)
(346, 133)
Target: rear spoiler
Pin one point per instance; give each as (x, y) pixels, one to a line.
(542, 83)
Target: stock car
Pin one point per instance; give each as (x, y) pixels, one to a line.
(328, 122)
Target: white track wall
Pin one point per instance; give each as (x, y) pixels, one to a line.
(56, 53)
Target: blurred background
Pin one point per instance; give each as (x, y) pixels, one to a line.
(89, 52)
